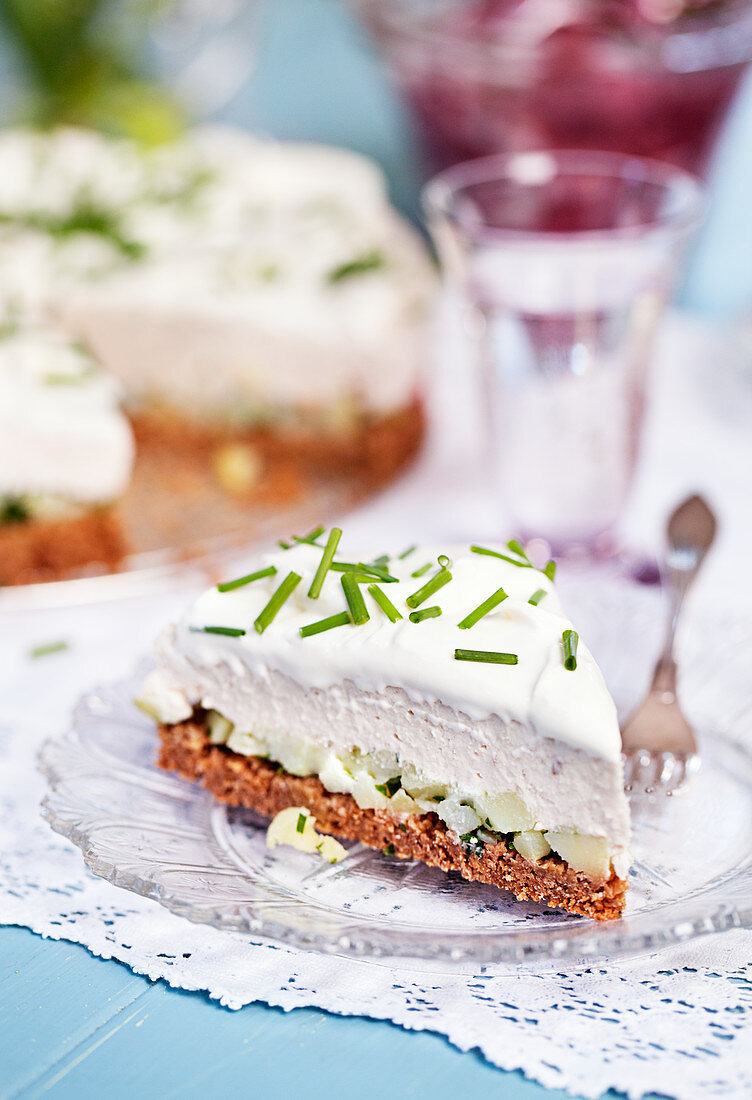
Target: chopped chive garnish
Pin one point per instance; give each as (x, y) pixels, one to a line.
(425, 613)
(537, 596)
(437, 581)
(284, 545)
(228, 631)
(368, 261)
(406, 553)
(485, 656)
(389, 850)
(373, 572)
(382, 560)
(355, 602)
(390, 787)
(569, 640)
(228, 586)
(384, 603)
(483, 609)
(301, 822)
(444, 561)
(48, 648)
(378, 571)
(266, 616)
(326, 560)
(422, 571)
(503, 557)
(342, 619)
(517, 548)
(550, 569)
(310, 537)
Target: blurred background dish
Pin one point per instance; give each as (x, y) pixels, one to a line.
(261, 305)
(650, 77)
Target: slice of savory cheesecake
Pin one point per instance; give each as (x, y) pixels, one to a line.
(437, 704)
(66, 453)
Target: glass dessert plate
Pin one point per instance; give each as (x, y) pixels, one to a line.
(158, 836)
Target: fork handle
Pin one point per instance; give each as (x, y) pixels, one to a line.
(679, 582)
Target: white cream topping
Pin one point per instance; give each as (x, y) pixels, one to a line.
(61, 431)
(573, 707)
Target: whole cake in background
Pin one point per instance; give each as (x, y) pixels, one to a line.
(257, 302)
(436, 704)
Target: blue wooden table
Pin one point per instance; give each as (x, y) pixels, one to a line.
(76, 1026)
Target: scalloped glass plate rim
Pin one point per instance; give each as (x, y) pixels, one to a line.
(722, 905)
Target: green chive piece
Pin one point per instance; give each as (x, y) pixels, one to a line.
(228, 631)
(48, 648)
(485, 656)
(326, 560)
(483, 609)
(284, 545)
(537, 596)
(517, 548)
(342, 619)
(550, 570)
(444, 561)
(503, 557)
(373, 572)
(569, 640)
(384, 603)
(406, 553)
(368, 261)
(390, 787)
(301, 822)
(437, 581)
(382, 560)
(229, 586)
(378, 571)
(425, 613)
(266, 616)
(389, 850)
(311, 537)
(355, 602)
(422, 571)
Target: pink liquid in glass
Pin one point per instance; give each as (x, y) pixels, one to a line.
(491, 76)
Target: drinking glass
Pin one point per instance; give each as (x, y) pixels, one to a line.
(566, 259)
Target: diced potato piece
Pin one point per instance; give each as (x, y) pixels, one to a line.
(300, 757)
(365, 794)
(460, 819)
(588, 854)
(246, 743)
(162, 702)
(507, 813)
(402, 803)
(532, 845)
(237, 467)
(219, 728)
(296, 827)
(335, 776)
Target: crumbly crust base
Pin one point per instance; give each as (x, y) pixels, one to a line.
(52, 550)
(376, 448)
(262, 786)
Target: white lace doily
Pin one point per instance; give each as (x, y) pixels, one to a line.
(679, 1023)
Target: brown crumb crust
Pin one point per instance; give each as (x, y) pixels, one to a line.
(262, 786)
(52, 550)
(375, 449)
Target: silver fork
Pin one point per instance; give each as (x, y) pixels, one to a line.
(658, 743)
